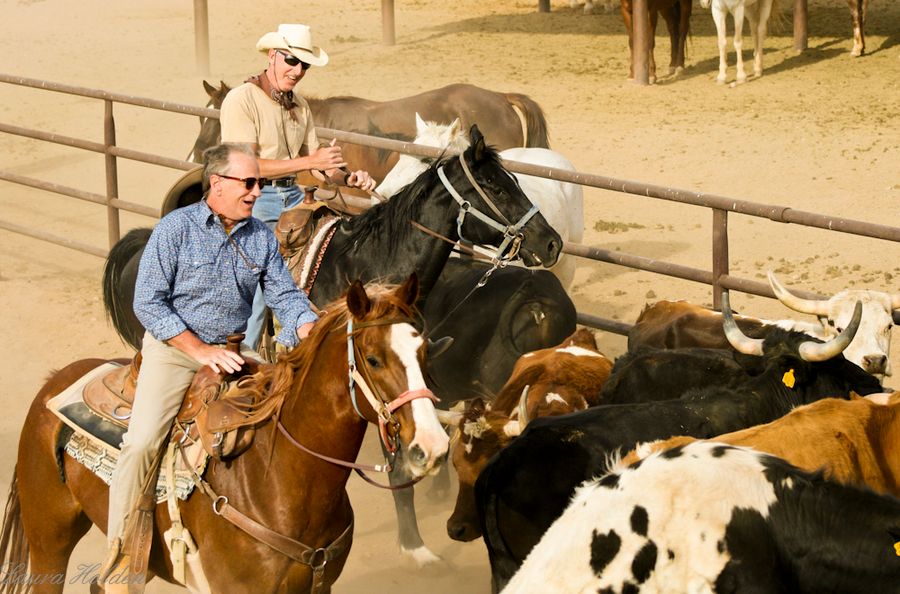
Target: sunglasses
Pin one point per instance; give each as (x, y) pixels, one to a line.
(293, 61)
(249, 182)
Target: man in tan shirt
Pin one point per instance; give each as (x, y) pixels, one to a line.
(265, 112)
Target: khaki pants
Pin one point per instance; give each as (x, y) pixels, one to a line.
(165, 375)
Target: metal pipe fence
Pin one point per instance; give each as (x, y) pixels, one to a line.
(719, 277)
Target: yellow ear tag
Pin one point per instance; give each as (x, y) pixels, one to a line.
(897, 548)
(788, 378)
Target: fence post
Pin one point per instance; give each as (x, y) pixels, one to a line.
(201, 36)
(112, 173)
(719, 253)
(543, 5)
(800, 19)
(640, 42)
(387, 22)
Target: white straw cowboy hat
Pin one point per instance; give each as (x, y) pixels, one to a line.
(295, 39)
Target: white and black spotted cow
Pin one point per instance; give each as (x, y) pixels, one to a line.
(711, 517)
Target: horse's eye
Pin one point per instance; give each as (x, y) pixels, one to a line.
(373, 361)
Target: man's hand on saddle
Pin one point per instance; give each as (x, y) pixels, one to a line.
(221, 360)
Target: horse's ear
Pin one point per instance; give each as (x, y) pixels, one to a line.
(477, 143)
(357, 301)
(420, 124)
(409, 290)
(209, 88)
(454, 128)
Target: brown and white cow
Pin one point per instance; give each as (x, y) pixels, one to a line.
(552, 381)
(853, 441)
(679, 324)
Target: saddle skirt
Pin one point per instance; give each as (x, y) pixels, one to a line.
(94, 441)
(303, 233)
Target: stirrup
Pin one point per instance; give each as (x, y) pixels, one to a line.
(115, 564)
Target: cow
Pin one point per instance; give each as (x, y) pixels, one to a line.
(712, 517)
(528, 484)
(553, 381)
(678, 324)
(855, 442)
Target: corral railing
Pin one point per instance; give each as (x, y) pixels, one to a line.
(718, 278)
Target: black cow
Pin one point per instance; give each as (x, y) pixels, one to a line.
(528, 485)
(744, 521)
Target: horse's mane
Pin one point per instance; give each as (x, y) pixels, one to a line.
(274, 384)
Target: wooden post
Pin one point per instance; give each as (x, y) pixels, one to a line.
(720, 254)
(112, 174)
(543, 5)
(640, 45)
(800, 20)
(201, 36)
(387, 22)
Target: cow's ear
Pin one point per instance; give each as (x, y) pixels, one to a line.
(358, 302)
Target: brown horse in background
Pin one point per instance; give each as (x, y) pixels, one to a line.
(677, 14)
(54, 499)
(508, 119)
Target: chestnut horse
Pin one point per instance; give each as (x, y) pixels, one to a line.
(508, 119)
(54, 499)
(677, 14)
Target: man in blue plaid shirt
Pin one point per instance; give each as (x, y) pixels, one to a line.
(195, 286)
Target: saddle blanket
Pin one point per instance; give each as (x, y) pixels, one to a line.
(95, 442)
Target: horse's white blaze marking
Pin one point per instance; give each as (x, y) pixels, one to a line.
(708, 489)
(578, 351)
(430, 436)
(552, 397)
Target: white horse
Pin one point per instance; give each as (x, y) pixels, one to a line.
(561, 203)
(758, 12)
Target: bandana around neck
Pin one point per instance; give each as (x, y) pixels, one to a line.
(284, 99)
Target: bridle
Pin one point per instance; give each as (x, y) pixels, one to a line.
(512, 233)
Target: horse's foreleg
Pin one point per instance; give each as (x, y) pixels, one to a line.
(719, 13)
(411, 543)
(858, 18)
(654, 19)
(739, 41)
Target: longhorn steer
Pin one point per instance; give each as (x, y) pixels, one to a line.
(528, 485)
(856, 442)
(553, 381)
(711, 517)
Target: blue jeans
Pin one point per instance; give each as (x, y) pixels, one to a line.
(272, 200)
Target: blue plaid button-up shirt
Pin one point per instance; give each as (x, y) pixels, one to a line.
(192, 277)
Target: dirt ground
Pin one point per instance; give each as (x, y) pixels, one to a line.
(817, 132)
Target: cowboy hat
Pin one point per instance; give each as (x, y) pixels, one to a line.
(186, 190)
(296, 39)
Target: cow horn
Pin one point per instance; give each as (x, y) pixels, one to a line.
(816, 351)
(448, 417)
(809, 306)
(523, 407)
(740, 342)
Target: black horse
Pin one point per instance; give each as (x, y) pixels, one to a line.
(383, 244)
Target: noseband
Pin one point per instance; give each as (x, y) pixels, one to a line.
(512, 234)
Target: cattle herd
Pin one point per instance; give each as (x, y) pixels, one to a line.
(721, 453)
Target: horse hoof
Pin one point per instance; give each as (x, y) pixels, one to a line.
(720, 80)
(422, 556)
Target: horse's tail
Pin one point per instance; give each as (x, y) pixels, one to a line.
(534, 124)
(13, 546)
(117, 296)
